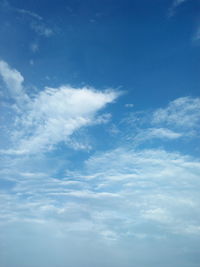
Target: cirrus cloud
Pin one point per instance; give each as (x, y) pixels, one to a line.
(54, 114)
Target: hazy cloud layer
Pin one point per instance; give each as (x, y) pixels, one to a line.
(111, 206)
(122, 200)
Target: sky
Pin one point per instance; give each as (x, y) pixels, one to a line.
(100, 133)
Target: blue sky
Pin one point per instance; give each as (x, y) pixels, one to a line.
(100, 133)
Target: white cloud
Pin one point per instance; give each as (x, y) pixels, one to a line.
(29, 13)
(54, 114)
(163, 133)
(128, 190)
(119, 198)
(137, 164)
(180, 119)
(182, 112)
(156, 185)
(37, 23)
(155, 133)
(13, 80)
(157, 214)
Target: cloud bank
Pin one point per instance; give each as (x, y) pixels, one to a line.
(137, 202)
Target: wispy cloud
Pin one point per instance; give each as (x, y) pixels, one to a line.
(36, 22)
(119, 177)
(116, 197)
(149, 134)
(180, 119)
(197, 35)
(29, 13)
(34, 47)
(13, 80)
(182, 112)
(41, 29)
(162, 174)
(174, 6)
(54, 114)
(163, 133)
(129, 105)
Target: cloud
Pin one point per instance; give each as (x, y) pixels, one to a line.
(13, 80)
(6, 4)
(197, 35)
(31, 61)
(42, 29)
(179, 120)
(163, 133)
(54, 114)
(35, 21)
(129, 105)
(149, 193)
(182, 112)
(150, 134)
(29, 13)
(122, 199)
(154, 184)
(175, 5)
(34, 47)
